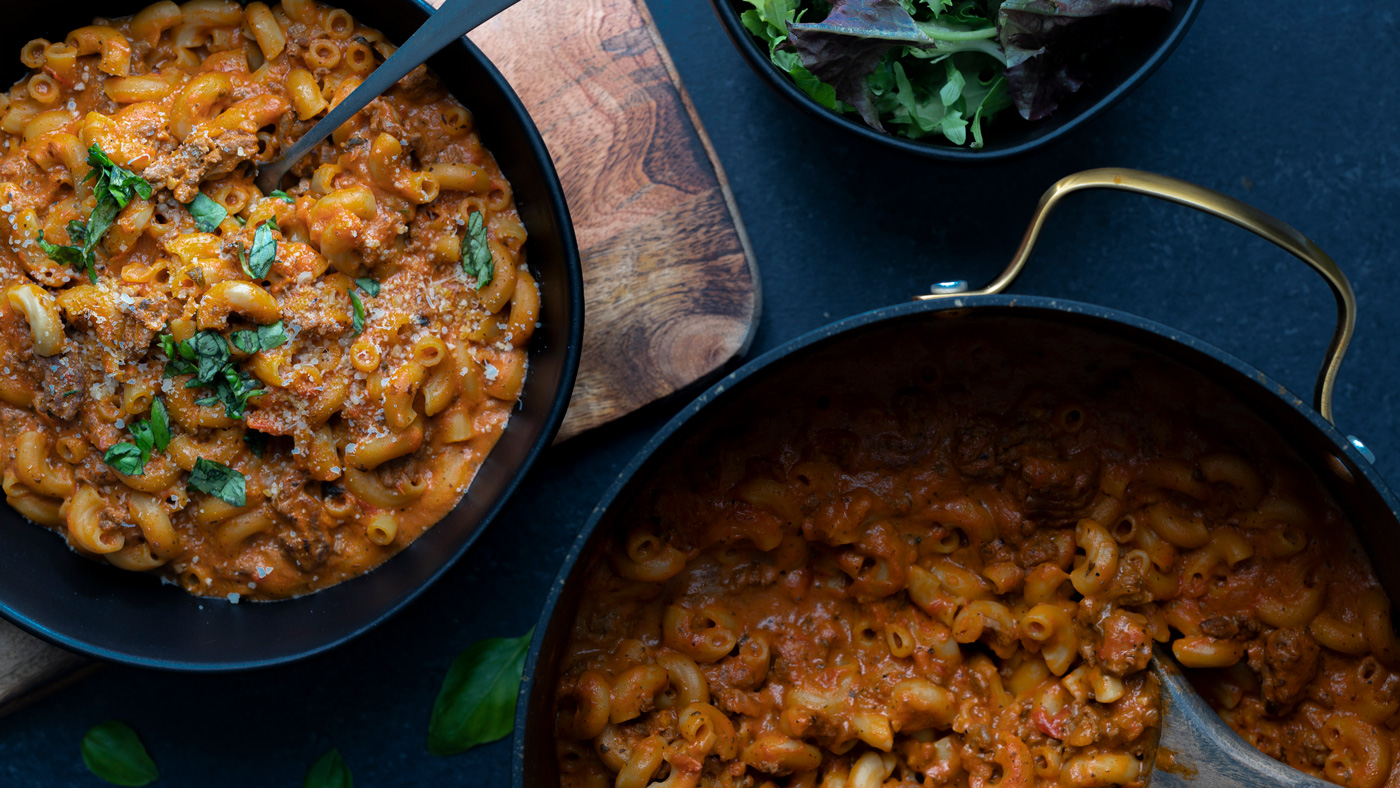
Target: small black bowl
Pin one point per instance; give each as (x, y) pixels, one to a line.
(1143, 46)
(110, 614)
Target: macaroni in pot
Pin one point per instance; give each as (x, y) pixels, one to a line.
(253, 395)
(950, 569)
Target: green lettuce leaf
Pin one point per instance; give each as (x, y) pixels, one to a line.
(853, 41)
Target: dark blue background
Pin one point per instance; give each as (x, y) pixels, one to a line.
(1289, 105)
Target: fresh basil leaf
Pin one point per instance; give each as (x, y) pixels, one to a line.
(476, 704)
(123, 184)
(241, 221)
(281, 195)
(160, 425)
(174, 351)
(145, 439)
(368, 285)
(273, 336)
(233, 390)
(220, 481)
(73, 256)
(212, 351)
(246, 341)
(100, 220)
(262, 254)
(256, 442)
(115, 188)
(99, 161)
(329, 771)
(113, 752)
(207, 213)
(77, 232)
(357, 322)
(262, 338)
(210, 363)
(127, 459)
(476, 252)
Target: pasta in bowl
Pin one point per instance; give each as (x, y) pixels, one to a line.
(257, 396)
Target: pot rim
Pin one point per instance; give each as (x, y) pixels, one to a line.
(1360, 466)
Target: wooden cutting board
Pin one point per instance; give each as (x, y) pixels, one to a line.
(669, 279)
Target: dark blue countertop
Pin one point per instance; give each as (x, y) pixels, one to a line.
(1292, 108)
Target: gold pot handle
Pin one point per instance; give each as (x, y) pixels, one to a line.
(1207, 201)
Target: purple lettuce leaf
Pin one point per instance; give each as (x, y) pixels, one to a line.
(845, 48)
(1042, 61)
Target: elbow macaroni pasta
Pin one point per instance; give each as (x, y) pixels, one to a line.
(911, 583)
(373, 416)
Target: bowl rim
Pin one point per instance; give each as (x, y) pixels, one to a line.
(553, 197)
(758, 60)
(1359, 465)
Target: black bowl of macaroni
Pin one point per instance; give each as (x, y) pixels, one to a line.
(314, 399)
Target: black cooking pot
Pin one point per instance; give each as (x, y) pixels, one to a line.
(871, 339)
(111, 614)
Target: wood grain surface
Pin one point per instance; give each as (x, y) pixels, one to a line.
(671, 289)
(672, 293)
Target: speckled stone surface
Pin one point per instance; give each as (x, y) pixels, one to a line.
(1291, 106)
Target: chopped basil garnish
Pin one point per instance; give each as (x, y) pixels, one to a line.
(211, 350)
(160, 425)
(73, 256)
(476, 252)
(129, 459)
(207, 213)
(220, 481)
(115, 188)
(233, 389)
(281, 195)
(256, 442)
(206, 356)
(358, 321)
(368, 285)
(264, 251)
(262, 338)
(116, 182)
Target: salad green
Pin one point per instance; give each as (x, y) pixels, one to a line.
(932, 68)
